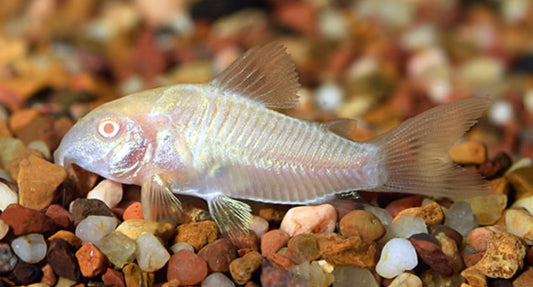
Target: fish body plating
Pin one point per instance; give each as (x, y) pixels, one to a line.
(221, 141)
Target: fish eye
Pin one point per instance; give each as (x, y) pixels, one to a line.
(108, 128)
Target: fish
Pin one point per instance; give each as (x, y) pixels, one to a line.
(226, 141)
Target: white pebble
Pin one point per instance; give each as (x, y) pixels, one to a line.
(4, 229)
(501, 113)
(329, 97)
(259, 225)
(217, 279)
(407, 225)
(41, 147)
(7, 196)
(382, 214)
(523, 162)
(94, 227)
(30, 248)
(108, 191)
(461, 218)
(346, 276)
(151, 255)
(333, 24)
(397, 256)
(178, 246)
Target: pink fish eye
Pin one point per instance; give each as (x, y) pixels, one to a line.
(108, 128)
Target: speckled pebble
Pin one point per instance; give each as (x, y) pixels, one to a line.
(151, 255)
(197, 234)
(504, 256)
(108, 191)
(431, 213)
(30, 248)
(397, 256)
(309, 219)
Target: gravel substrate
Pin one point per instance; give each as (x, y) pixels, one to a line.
(60, 59)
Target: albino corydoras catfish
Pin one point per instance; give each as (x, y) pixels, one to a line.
(221, 142)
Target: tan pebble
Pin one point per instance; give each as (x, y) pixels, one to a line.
(474, 277)
(406, 280)
(339, 250)
(38, 180)
(241, 269)
(13, 166)
(525, 202)
(470, 152)
(362, 223)
(133, 211)
(10, 149)
(135, 227)
(272, 214)
(449, 248)
(431, 213)
(197, 234)
(68, 236)
(524, 280)
(519, 223)
(504, 256)
(488, 208)
(500, 185)
(49, 277)
(135, 277)
(522, 181)
(172, 283)
(303, 248)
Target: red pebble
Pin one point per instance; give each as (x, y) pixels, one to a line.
(400, 204)
(113, 278)
(61, 217)
(25, 220)
(187, 267)
(134, 211)
(272, 241)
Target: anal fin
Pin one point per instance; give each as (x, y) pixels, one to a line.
(233, 217)
(158, 202)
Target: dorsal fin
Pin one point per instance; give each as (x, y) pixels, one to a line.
(342, 127)
(264, 74)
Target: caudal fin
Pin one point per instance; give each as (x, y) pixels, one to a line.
(415, 154)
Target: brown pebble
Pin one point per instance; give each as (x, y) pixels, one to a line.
(431, 253)
(522, 181)
(218, 255)
(435, 229)
(400, 204)
(242, 268)
(21, 118)
(470, 152)
(186, 267)
(271, 214)
(68, 236)
(272, 241)
(362, 223)
(24, 273)
(431, 213)
(197, 234)
(135, 277)
(450, 249)
(133, 211)
(338, 250)
(274, 276)
(62, 259)
(113, 278)
(91, 260)
(303, 248)
(61, 217)
(49, 277)
(281, 261)
(13, 167)
(472, 259)
(23, 220)
(246, 243)
(525, 279)
(496, 166)
(83, 207)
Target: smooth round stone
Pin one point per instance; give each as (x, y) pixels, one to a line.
(118, 248)
(346, 275)
(406, 225)
(4, 229)
(7, 259)
(30, 248)
(94, 227)
(461, 218)
(397, 256)
(259, 225)
(108, 191)
(310, 274)
(309, 219)
(151, 255)
(7, 196)
(217, 279)
(41, 147)
(181, 246)
(329, 97)
(382, 214)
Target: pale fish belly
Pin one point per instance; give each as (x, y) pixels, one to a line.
(245, 151)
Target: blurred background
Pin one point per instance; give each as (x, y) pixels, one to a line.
(379, 61)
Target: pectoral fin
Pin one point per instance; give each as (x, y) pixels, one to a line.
(158, 201)
(232, 216)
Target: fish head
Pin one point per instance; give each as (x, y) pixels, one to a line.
(109, 141)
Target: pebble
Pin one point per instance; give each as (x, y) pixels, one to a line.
(10, 149)
(135, 227)
(406, 280)
(450, 249)
(329, 97)
(83, 207)
(406, 225)
(113, 278)
(382, 214)
(108, 191)
(309, 219)
(495, 167)
(181, 246)
(41, 147)
(436, 229)
(488, 208)
(303, 248)
(461, 218)
(338, 250)
(272, 241)
(403, 203)
(94, 227)
(151, 255)
(68, 236)
(430, 252)
(91, 260)
(519, 164)
(25, 273)
(7, 196)
(49, 277)
(30, 248)
(63, 260)
(218, 255)
(23, 220)
(474, 276)
(197, 234)
(345, 276)
(470, 152)
(133, 211)
(242, 268)
(217, 279)
(118, 248)
(310, 274)
(4, 229)
(7, 259)
(259, 225)
(38, 180)
(525, 202)
(135, 277)
(397, 256)
(504, 256)
(525, 279)
(187, 267)
(65, 282)
(361, 223)
(519, 223)
(431, 213)
(522, 181)
(61, 217)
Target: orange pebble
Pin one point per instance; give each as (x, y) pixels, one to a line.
(134, 211)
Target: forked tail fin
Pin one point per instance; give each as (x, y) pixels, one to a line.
(415, 154)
